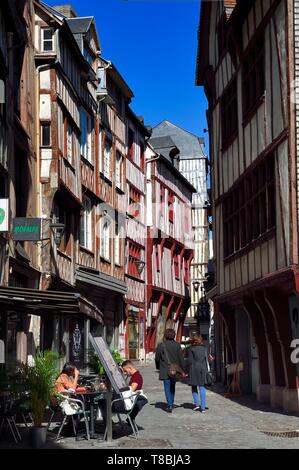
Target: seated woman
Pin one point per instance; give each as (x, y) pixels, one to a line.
(68, 380)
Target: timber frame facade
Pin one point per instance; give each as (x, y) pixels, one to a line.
(170, 242)
(248, 75)
(136, 237)
(193, 166)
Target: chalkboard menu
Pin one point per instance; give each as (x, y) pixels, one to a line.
(112, 370)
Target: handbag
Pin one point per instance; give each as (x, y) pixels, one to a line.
(209, 378)
(209, 375)
(175, 372)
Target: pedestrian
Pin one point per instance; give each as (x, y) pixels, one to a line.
(197, 360)
(169, 352)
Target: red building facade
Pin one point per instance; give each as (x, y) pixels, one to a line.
(169, 242)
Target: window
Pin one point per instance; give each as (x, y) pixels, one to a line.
(134, 203)
(131, 148)
(229, 112)
(45, 134)
(119, 170)
(117, 241)
(47, 40)
(142, 156)
(170, 207)
(162, 202)
(88, 56)
(86, 136)
(253, 76)
(100, 151)
(69, 143)
(86, 224)
(156, 247)
(176, 266)
(88, 154)
(134, 255)
(107, 158)
(249, 210)
(105, 239)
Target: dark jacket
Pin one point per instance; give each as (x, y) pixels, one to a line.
(197, 362)
(175, 357)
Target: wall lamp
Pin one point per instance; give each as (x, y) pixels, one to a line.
(57, 229)
(140, 266)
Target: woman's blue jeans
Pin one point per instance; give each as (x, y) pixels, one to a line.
(169, 389)
(203, 394)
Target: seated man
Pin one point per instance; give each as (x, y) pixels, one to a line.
(135, 384)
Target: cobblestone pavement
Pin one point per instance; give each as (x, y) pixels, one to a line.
(228, 424)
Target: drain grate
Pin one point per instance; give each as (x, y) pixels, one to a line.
(289, 434)
(146, 443)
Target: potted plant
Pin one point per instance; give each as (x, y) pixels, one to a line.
(98, 366)
(39, 381)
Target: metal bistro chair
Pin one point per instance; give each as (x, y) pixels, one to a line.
(72, 407)
(125, 412)
(7, 416)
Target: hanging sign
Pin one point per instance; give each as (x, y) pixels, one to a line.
(26, 228)
(4, 215)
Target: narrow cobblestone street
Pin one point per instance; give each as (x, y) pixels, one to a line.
(229, 424)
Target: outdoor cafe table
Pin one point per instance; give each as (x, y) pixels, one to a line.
(90, 397)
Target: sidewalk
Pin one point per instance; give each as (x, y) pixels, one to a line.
(227, 424)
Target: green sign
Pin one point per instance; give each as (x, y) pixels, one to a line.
(26, 228)
(4, 215)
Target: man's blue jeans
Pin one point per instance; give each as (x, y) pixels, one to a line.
(169, 389)
(203, 394)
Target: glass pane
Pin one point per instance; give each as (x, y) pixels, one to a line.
(48, 45)
(48, 34)
(46, 134)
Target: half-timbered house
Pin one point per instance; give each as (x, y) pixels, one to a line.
(169, 241)
(66, 55)
(246, 64)
(193, 166)
(136, 233)
(19, 270)
(113, 95)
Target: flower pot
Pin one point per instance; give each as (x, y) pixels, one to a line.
(38, 436)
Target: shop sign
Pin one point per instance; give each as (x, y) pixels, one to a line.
(26, 228)
(4, 215)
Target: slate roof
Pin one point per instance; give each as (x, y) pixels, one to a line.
(163, 145)
(54, 12)
(79, 25)
(189, 144)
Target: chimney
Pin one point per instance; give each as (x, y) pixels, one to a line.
(66, 10)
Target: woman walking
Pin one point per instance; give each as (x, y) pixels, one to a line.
(169, 352)
(197, 360)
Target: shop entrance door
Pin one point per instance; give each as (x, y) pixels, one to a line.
(133, 335)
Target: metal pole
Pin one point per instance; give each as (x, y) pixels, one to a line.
(109, 411)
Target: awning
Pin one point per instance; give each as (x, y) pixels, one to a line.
(39, 302)
(101, 280)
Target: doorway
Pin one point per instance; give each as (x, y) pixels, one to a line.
(133, 333)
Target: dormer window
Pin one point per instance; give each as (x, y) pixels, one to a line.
(47, 40)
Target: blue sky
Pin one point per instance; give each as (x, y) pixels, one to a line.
(153, 43)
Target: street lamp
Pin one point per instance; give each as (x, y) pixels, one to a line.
(57, 230)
